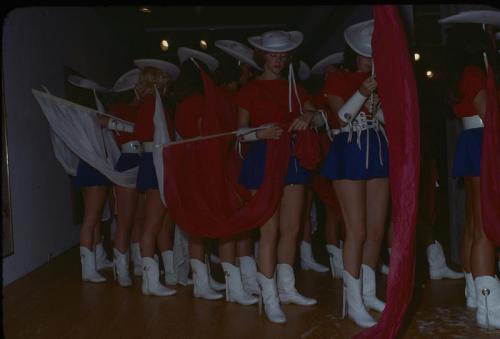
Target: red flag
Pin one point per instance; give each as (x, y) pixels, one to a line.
(490, 164)
(197, 174)
(398, 95)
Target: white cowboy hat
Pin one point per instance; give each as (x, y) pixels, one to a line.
(277, 41)
(304, 71)
(86, 83)
(239, 51)
(359, 37)
(185, 53)
(487, 17)
(332, 59)
(166, 66)
(127, 81)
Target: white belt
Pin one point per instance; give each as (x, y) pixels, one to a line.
(474, 121)
(133, 146)
(360, 124)
(150, 146)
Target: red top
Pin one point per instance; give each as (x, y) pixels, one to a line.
(144, 126)
(344, 84)
(267, 101)
(473, 80)
(187, 114)
(126, 112)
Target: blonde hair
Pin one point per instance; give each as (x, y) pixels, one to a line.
(148, 78)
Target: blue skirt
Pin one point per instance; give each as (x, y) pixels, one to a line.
(346, 160)
(127, 161)
(252, 172)
(146, 177)
(468, 153)
(88, 176)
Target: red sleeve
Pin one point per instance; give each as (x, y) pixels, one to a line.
(122, 111)
(335, 85)
(245, 97)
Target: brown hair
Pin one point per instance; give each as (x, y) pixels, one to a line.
(148, 78)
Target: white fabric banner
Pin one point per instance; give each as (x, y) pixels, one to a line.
(161, 137)
(77, 127)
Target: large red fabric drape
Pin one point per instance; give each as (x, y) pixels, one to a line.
(490, 164)
(200, 178)
(398, 94)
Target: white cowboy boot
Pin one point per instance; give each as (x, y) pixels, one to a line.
(248, 269)
(269, 297)
(470, 291)
(336, 260)
(369, 289)
(488, 302)
(120, 268)
(168, 265)
(135, 253)
(353, 302)
(202, 288)
(234, 286)
(437, 264)
(288, 294)
(89, 272)
(101, 259)
(307, 261)
(151, 279)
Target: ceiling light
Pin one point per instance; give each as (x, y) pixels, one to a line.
(203, 44)
(145, 9)
(416, 56)
(164, 45)
(429, 74)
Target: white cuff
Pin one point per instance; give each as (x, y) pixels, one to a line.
(252, 136)
(116, 125)
(351, 107)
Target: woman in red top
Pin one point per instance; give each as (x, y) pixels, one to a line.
(188, 116)
(467, 87)
(321, 185)
(126, 198)
(230, 76)
(262, 101)
(159, 74)
(357, 164)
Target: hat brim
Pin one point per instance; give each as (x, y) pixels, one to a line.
(225, 45)
(86, 83)
(185, 53)
(332, 59)
(127, 81)
(486, 17)
(351, 36)
(165, 66)
(296, 39)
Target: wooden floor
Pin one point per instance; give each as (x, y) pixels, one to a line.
(52, 302)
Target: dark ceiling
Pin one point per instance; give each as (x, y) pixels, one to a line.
(322, 26)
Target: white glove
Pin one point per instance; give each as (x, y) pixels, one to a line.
(116, 125)
(351, 107)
